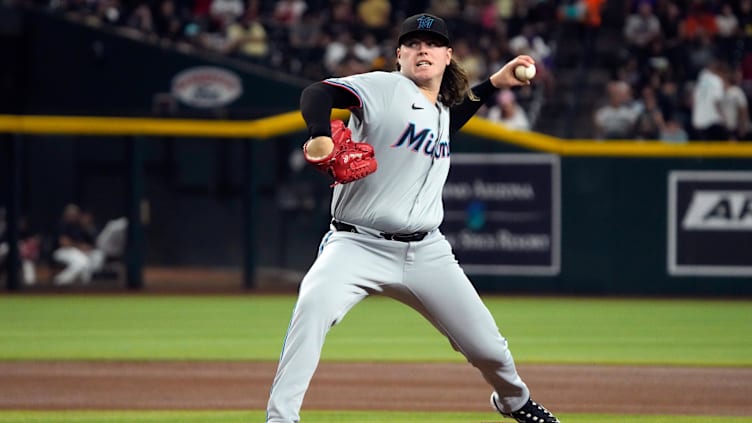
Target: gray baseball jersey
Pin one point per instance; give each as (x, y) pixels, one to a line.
(410, 136)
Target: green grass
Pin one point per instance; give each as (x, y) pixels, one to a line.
(324, 417)
(674, 332)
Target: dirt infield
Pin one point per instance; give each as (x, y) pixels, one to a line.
(102, 385)
(370, 386)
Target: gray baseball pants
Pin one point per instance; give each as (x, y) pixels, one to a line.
(423, 275)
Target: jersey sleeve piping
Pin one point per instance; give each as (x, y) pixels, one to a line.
(352, 90)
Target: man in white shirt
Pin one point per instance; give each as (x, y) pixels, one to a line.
(707, 94)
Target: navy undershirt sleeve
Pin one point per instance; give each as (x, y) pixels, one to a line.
(461, 113)
(316, 104)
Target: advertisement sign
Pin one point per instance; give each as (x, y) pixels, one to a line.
(710, 223)
(502, 213)
(207, 87)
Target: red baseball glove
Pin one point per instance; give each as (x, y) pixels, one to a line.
(349, 160)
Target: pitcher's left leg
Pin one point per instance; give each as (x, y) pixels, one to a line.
(444, 294)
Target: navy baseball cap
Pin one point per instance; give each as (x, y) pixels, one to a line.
(424, 23)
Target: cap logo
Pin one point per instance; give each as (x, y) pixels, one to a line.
(425, 22)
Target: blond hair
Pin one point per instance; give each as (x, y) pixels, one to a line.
(454, 84)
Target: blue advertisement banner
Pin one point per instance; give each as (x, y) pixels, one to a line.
(502, 213)
(710, 223)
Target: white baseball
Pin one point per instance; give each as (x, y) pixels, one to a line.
(524, 73)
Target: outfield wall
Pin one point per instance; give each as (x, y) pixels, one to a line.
(613, 219)
(615, 223)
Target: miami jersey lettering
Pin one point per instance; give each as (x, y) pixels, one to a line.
(415, 141)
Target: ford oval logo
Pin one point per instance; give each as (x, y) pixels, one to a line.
(206, 87)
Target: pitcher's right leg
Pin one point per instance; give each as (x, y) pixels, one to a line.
(327, 293)
(319, 307)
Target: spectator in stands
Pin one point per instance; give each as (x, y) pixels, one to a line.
(658, 64)
(707, 94)
(109, 12)
(342, 18)
(28, 248)
(375, 14)
(489, 17)
(744, 14)
(193, 33)
(162, 17)
(367, 50)
(673, 132)
(76, 248)
(531, 43)
(641, 29)
(214, 37)
(288, 13)
(726, 20)
(746, 67)
(728, 33)
(649, 122)
(88, 227)
(616, 119)
(630, 72)
(671, 34)
(225, 12)
(734, 107)
(201, 8)
(699, 20)
(670, 100)
(140, 20)
(702, 52)
(336, 51)
(508, 112)
(247, 38)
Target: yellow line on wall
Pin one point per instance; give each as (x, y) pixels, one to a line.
(614, 148)
(290, 122)
(113, 126)
(268, 127)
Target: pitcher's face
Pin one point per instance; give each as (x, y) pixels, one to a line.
(423, 58)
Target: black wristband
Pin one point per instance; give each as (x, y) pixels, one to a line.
(484, 90)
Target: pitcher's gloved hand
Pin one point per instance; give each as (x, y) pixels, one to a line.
(348, 160)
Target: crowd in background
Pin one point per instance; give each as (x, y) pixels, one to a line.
(682, 68)
(318, 39)
(685, 73)
(329, 37)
